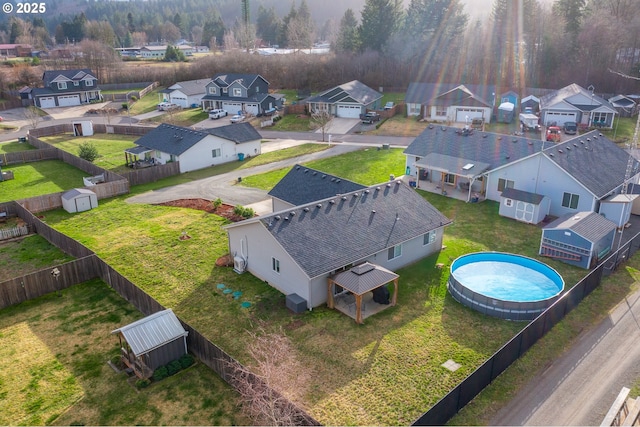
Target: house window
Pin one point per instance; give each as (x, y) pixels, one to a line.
(275, 265)
(257, 89)
(449, 178)
(216, 152)
(224, 90)
(505, 183)
(237, 91)
(429, 238)
(62, 85)
(508, 202)
(76, 83)
(599, 117)
(570, 200)
(212, 90)
(88, 82)
(441, 111)
(394, 252)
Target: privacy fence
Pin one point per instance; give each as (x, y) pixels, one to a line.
(89, 266)
(469, 388)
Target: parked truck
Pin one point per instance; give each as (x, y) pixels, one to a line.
(529, 122)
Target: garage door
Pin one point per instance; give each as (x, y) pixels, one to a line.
(464, 114)
(68, 100)
(232, 107)
(180, 100)
(252, 109)
(47, 102)
(349, 111)
(559, 118)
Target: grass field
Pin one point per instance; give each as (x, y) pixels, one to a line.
(399, 125)
(186, 117)
(15, 146)
(110, 147)
(59, 347)
(38, 178)
(32, 253)
(148, 103)
(293, 123)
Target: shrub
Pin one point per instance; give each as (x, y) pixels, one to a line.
(173, 367)
(133, 98)
(186, 361)
(217, 203)
(125, 106)
(143, 383)
(88, 151)
(243, 212)
(160, 373)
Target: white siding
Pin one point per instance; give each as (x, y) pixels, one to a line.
(201, 155)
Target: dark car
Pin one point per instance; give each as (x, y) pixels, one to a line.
(371, 117)
(570, 128)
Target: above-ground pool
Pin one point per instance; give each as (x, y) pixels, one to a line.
(504, 285)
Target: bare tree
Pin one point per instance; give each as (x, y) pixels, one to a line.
(32, 114)
(320, 118)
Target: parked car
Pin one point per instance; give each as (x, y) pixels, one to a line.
(167, 106)
(237, 118)
(553, 134)
(216, 114)
(388, 105)
(371, 117)
(570, 128)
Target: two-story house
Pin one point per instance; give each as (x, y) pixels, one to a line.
(64, 88)
(248, 93)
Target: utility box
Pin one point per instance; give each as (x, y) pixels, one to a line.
(296, 303)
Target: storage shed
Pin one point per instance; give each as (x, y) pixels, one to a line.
(618, 208)
(151, 342)
(83, 128)
(582, 239)
(506, 111)
(524, 206)
(79, 200)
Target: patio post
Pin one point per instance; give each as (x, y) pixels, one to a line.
(330, 302)
(358, 308)
(394, 298)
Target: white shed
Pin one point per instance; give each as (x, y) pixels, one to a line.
(618, 208)
(79, 200)
(524, 206)
(83, 128)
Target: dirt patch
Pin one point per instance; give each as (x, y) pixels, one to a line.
(224, 210)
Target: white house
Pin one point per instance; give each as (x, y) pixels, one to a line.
(185, 94)
(296, 250)
(197, 149)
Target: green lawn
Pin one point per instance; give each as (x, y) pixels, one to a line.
(110, 147)
(15, 146)
(23, 256)
(39, 178)
(58, 347)
(186, 117)
(148, 102)
(293, 123)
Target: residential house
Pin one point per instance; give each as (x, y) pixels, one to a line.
(576, 175)
(195, 149)
(153, 52)
(582, 239)
(185, 94)
(12, 50)
(247, 93)
(302, 185)
(64, 88)
(348, 100)
(574, 103)
(297, 250)
(624, 105)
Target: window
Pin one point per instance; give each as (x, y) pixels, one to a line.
(216, 152)
(275, 265)
(505, 183)
(429, 238)
(62, 85)
(76, 83)
(212, 90)
(224, 90)
(599, 117)
(257, 89)
(88, 82)
(395, 252)
(508, 202)
(449, 178)
(237, 91)
(570, 200)
(441, 111)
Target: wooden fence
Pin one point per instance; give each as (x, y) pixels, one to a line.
(29, 156)
(11, 233)
(152, 174)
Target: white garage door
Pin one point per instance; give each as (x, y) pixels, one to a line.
(559, 118)
(232, 107)
(252, 109)
(47, 102)
(180, 100)
(464, 114)
(68, 100)
(349, 111)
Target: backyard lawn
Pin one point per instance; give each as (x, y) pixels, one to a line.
(39, 178)
(110, 147)
(185, 118)
(399, 125)
(147, 103)
(23, 256)
(15, 146)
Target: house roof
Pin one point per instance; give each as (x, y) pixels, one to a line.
(76, 74)
(328, 234)
(563, 95)
(353, 91)
(424, 93)
(238, 132)
(487, 148)
(580, 155)
(453, 165)
(226, 79)
(151, 332)
(523, 196)
(303, 185)
(364, 278)
(190, 87)
(461, 95)
(590, 225)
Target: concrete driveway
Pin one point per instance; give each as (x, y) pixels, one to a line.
(339, 126)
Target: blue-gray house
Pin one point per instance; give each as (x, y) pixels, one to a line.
(582, 239)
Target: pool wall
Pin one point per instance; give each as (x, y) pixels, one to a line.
(509, 310)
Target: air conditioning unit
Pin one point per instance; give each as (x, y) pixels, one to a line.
(239, 264)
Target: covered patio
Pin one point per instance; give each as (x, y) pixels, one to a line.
(451, 176)
(360, 292)
(139, 157)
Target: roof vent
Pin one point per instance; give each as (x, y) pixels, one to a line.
(306, 209)
(568, 148)
(575, 145)
(600, 134)
(277, 217)
(550, 154)
(499, 138)
(581, 142)
(355, 194)
(588, 139)
(514, 140)
(377, 188)
(332, 201)
(286, 218)
(530, 142)
(344, 197)
(319, 205)
(292, 213)
(333, 179)
(314, 173)
(430, 126)
(338, 181)
(367, 191)
(444, 129)
(388, 185)
(324, 176)
(560, 151)
(306, 170)
(398, 182)
(484, 135)
(297, 167)
(373, 211)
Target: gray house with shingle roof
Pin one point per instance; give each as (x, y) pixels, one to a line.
(348, 100)
(197, 149)
(232, 92)
(64, 88)
(185, 94)
(574, 103)
(297, 249)
(581, 239)
(576, 174)
(302, 185)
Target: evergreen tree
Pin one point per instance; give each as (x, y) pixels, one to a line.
(572, 11)
(268, 25)
(347, 40)
(380, 19)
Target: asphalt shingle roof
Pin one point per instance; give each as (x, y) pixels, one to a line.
(353, 90)
(303, 185)
(569, 91)
(328, 234)
(225, 79)
(590, 225)
(151, 332)
(594, 161)
(521, 195)
(76, 74)
(238, 132)
(364, 278)
(190, 87)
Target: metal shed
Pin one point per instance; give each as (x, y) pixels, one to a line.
(79, 200)
(524, 206)
(581, 239)
(83, 128)
(151, 342)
